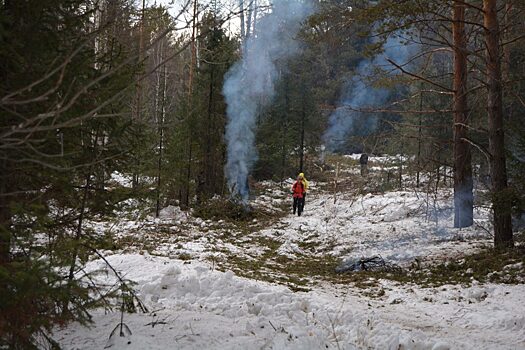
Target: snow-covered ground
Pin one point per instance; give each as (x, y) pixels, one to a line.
(194, 277)
(193, 306)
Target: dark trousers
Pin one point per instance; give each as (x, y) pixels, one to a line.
(364, 169)
(298, 204)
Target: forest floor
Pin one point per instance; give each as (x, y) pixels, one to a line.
(222, 278)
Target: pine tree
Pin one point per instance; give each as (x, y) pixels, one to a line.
(64, 128)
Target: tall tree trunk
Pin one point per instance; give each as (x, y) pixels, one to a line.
(243, 26)
(507, 36)
(209, 177)
(401, 157)
(419, 140)
(161, 131)
(5, 214)
(463, 183)
(193, 61)
(5, 234)
(188, 172)
(249, 21)
(506, 65)
(284, 126)
(498, 171)
(254, 14)
(186, 197)
(138, 113)
(301, 149)
(159, 170)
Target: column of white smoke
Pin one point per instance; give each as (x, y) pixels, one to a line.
(357, 94)
(250, 84)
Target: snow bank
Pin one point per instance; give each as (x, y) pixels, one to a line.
(196, 307)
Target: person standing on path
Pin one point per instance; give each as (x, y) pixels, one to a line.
(305, 186)
(363, 160)
(298, 196)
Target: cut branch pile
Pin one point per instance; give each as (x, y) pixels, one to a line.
(374, 263)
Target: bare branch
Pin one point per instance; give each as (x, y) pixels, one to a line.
(418, 76)
(482, 149)
(515, 94)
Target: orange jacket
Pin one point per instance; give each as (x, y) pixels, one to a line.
(298, 189)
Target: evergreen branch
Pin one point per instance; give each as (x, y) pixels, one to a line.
(133, 294)
(7, 100)
(96, 288)
(61, 168)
